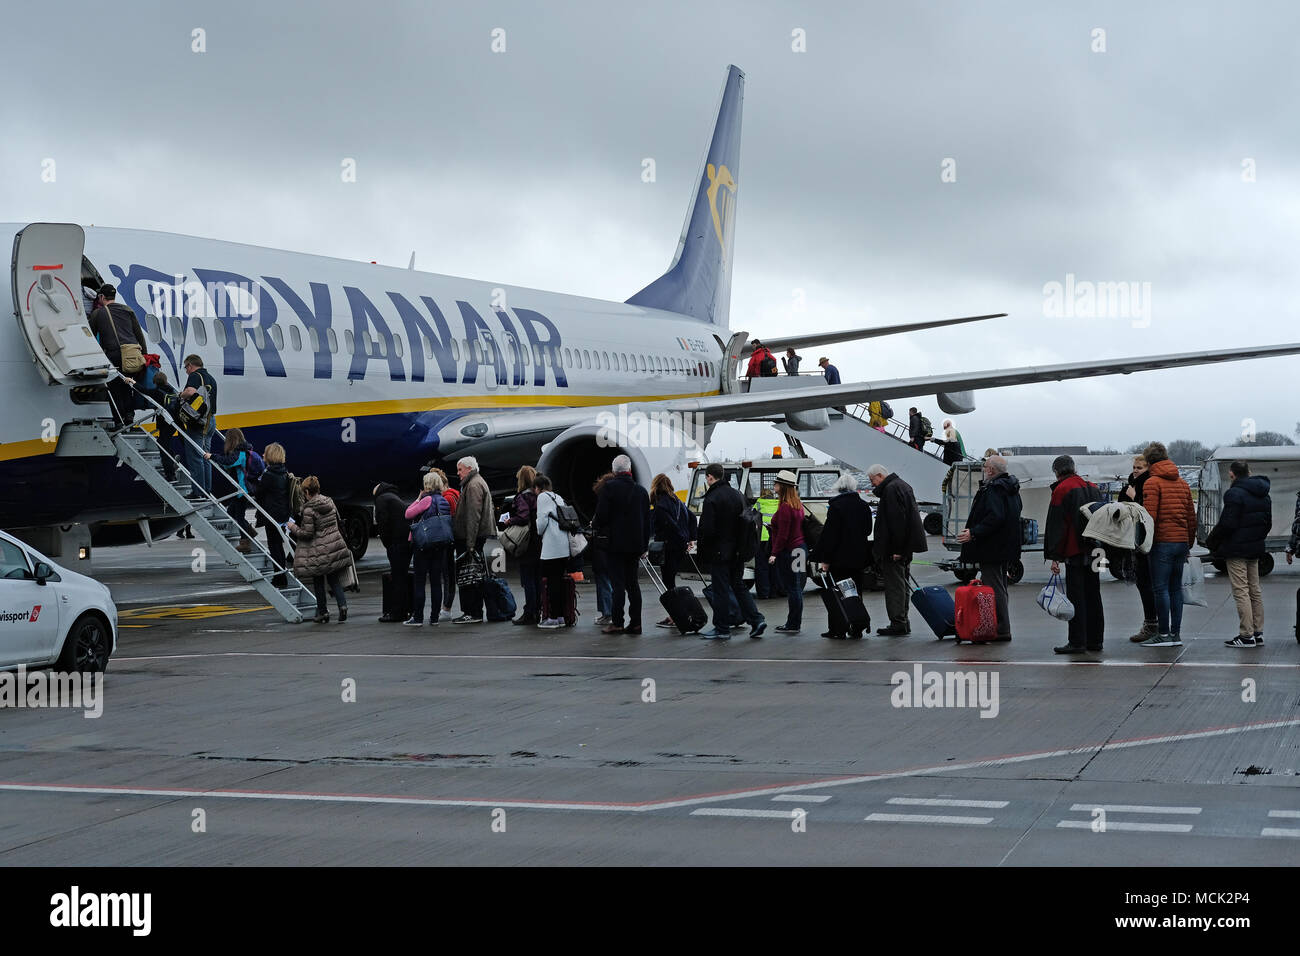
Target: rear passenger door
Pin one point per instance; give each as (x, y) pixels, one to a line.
(29, 613)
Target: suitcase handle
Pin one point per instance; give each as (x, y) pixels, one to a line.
(654, 576)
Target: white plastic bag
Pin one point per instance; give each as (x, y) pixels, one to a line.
(1194, 583)
(1052, 599)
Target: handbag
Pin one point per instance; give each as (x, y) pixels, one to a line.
(516, 539)
(577, 544)
(1052, 599)
(469, 569)
(431, 531)
(1194, 583)
(132, 354)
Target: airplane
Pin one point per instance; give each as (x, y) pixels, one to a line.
(367, 373)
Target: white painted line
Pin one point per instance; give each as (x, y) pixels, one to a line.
(922, 802)
(926, 818)
(1279, 831)
(1284, 813)
(734, 812)
(801, 797)
(1128, 808)
(1134, 827)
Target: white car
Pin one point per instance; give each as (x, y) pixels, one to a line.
(50, 615)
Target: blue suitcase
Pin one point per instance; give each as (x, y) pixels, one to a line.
(498, 602)
(937, 607)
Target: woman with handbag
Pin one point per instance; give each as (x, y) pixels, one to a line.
(523, 544)
(430, 559)
(321, 552)
(789, 554)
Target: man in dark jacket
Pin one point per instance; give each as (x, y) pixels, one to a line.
(992, 535)
(915, 428)
(1239, 538)
(473, 523)
(899, 535)
(1062, 543)
(623, 517)
(844, 551)
(115, 325)
(395, 532)
(719, 532)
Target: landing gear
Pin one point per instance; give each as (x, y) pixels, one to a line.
(933, 523)
(355, 525)
(1015, 571)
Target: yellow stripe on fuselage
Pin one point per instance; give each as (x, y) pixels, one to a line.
(306, 413)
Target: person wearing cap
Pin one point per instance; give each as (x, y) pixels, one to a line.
(115, 325)
(789, 556)
(830, 371)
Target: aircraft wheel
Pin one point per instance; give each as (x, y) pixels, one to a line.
(933, 523)
(966, 575)
(356, 531)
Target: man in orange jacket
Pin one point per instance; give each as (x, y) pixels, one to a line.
(1168, 499)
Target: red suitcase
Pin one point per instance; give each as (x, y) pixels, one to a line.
(977, 613)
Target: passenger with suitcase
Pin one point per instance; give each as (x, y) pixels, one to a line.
(843, 552)
(789, 554)
(899, 535)
(674, 527)
(559, 594)
(430, 559)
(992, 536)
(725, 546)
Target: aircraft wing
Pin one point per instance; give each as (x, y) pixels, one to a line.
(814, 339)
(779, 401)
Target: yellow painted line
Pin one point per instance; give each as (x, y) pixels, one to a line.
(184, 612)
(305, 413)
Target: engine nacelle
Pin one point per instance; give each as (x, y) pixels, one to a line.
(656, 442)
(957, 403)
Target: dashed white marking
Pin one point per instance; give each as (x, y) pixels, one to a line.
(925, 802)
(1279, 832)
(1119, 825)
(736, 812)
(926, 818)
(1129, 808)
(801, 798)
(1284, 813)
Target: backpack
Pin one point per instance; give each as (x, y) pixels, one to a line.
(679, 523)
(254, 470)
(297, 499)
(927, 429)
(749, 533)
(194, 411)
(886, 410)
(566, 517)
(767, 366)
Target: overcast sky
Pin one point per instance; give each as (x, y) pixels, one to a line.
(524, 168)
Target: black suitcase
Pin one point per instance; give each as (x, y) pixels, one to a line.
(388, 608)
(845, 614)
(680, 604)
(570, 609)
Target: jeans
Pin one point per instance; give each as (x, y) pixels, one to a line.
(604, 589)
(428, 567)
(622, 578)
(995, 576)
(792, 566)
(200, 468)
(530, 581)
(1083, 588)
(729, 576)
(336, 588)
(1166, 563)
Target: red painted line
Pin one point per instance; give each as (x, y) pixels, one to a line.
(46, 268)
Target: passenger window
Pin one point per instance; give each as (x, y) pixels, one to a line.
(200, 332)
(241, 336)
(259, 337)
(277, 336)
(314, 338)
(295, 338)
(568, 356)
(151, 326)
(604, 359)
(455, 350)
(367, 346)
(397, 346)
(527, 354)
(333, 340)
(219, 330)
(349, 341)
(622, 360)
(13, 562)
(178, 334)
(586, 358)
(428, 348)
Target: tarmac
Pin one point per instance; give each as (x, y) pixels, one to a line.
(229, 737)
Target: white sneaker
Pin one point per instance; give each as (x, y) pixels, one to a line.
(444, 615)
(551, 623)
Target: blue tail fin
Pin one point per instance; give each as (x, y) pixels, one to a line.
(698, 283)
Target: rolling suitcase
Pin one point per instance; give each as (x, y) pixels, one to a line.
(936, 606)
(390, 606)
(570, 609)
(681, 604)
(977, 613)
(845, 612)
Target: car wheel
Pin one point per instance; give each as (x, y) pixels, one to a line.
(1015, 571)
(933, 523)
(87, 646)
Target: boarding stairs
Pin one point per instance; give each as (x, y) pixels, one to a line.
(206, 513)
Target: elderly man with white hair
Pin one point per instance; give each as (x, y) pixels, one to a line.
(899, 535)
(623, 517)
(843, 549)
(992, 536)
(472, 525)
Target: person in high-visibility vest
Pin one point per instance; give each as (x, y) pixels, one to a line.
(766, 583)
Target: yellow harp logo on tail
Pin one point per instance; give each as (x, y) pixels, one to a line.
(722, 217)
